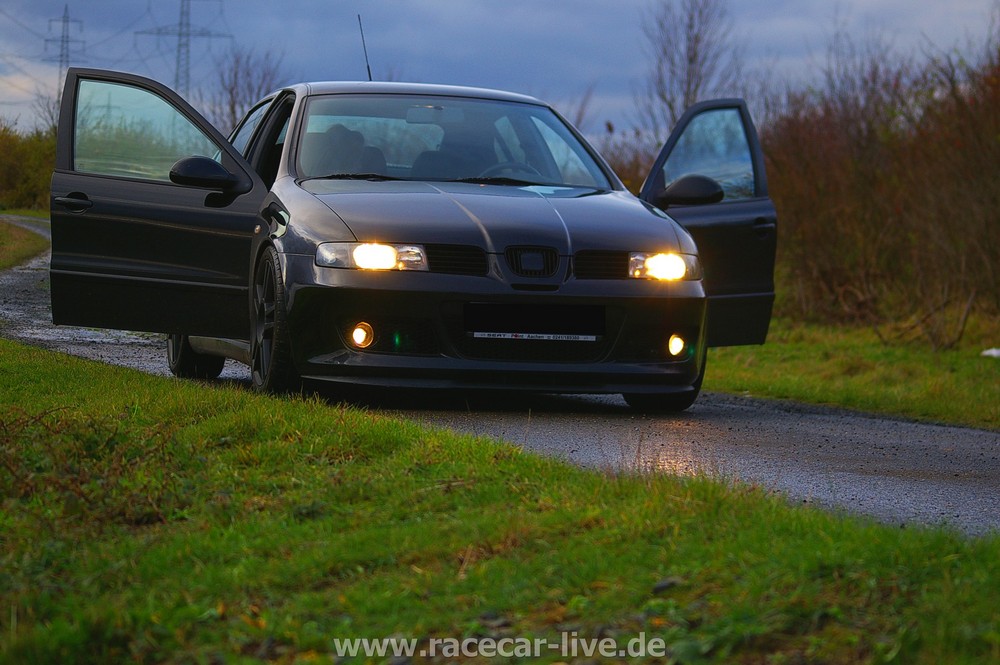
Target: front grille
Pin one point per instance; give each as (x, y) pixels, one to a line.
(532, 261)
(457, 259)
(600, 264)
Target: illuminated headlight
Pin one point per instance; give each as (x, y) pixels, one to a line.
(669, 266)
(371, 256)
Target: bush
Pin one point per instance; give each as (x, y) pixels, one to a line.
(885, 183)
(26, 163)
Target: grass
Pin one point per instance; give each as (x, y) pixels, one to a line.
(153, 520)
(17, 245)
(25, 212)
(851, 367)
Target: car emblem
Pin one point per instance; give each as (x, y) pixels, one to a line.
(532, 261)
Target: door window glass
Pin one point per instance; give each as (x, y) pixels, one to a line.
(714, 144)
(241, 139)
(125, 131)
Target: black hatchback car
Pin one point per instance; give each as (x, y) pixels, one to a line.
(409, 235)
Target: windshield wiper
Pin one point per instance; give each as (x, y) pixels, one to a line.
(354, 176)
(497, 180)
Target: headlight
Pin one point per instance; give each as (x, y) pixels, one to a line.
(663, 266)
(371, 256)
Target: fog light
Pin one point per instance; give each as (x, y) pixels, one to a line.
(676, 345)
(362, 335)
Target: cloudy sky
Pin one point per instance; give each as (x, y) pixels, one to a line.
(555, 49)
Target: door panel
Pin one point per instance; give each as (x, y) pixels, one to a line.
(737, 237)
(130, 249)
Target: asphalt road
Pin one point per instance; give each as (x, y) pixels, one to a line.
(899, 472)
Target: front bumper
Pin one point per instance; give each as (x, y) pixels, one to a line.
(610, 336)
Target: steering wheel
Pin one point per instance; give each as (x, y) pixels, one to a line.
(512, 167)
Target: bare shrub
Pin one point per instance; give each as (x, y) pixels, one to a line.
(885, 183)
(694, 55)
(243, 77)
(630, 154)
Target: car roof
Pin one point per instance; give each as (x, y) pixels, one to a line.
(396, 87)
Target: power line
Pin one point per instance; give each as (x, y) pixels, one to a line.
(65, 42)
(9, 59)
(14, 20)
(115, 36)
(184, 32)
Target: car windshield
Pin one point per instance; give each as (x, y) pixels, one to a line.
(411, 137)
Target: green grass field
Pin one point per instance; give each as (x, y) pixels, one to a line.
(851, 367)
(154, 520)
(17, 245)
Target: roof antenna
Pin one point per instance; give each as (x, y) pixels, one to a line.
(367, 64)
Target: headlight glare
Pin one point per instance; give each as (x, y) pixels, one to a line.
(666, 266)
(676, 345)
(371, 256)
(362, 335)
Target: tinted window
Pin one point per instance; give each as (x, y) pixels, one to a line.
(241, 139)
(714, 144)
(129, 132)
(574, 164)
(442, 138)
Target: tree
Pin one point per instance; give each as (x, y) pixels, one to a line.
(694, 56)
(244, 77)
(46, 108)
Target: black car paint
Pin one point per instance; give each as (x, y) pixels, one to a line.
(162, 257)
(737, 240)
(116, 267)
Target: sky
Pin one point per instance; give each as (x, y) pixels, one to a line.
(558, 50)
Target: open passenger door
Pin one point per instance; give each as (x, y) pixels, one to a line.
(132, 247)
(736, 237)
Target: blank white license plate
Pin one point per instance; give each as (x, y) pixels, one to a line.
(547, 337)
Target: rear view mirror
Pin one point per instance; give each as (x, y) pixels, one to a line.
(690, 190)
(202, 172)
(434, 115)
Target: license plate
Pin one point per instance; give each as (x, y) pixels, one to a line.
(546, 337)
(546, 323)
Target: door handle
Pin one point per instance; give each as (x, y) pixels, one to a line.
(74, 203)
(764, 226)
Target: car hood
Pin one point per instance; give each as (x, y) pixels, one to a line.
(494, 217)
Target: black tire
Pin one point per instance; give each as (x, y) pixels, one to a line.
(669, 402)
(186, 363)
(270, 355)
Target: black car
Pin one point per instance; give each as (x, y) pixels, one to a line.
(407, 235)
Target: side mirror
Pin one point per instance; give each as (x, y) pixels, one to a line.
(202, 172)
(689, 191)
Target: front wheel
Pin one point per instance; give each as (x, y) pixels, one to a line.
(270, 353)
(186, 363)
